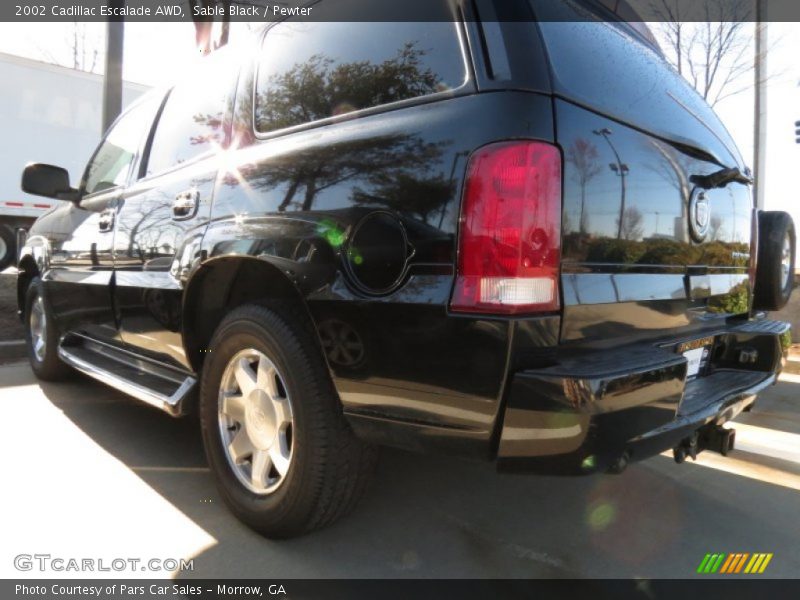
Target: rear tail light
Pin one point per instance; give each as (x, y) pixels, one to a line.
(510, 230)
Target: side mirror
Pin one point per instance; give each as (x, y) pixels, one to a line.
(49, 181)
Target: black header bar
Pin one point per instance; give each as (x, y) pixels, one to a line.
(730, 588)
(387, 10)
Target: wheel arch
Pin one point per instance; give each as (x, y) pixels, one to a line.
(27, 270)
(221, 285)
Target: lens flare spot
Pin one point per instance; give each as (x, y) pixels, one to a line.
(331, 232)
(601, 515)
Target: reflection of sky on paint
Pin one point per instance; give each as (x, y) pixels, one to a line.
(658, 203)
(656, 184)
(157, 53)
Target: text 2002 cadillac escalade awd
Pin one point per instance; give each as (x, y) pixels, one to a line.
(513, 233)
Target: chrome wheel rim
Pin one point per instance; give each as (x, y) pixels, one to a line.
(38, 328)
(786, 261)
(256, 421)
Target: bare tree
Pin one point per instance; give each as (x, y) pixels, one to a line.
(81, 48)
(584, 156)
(716, 228)
(631, 226)
(84, 49)
(713, 51)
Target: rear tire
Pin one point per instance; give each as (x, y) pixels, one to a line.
(42, 335)
(775, 265)
(8, 247)
(281, 405)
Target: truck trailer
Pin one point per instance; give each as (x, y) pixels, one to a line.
(42, 101)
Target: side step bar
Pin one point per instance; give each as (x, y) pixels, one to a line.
(142, 378)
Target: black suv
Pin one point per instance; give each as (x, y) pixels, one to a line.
(513, 233)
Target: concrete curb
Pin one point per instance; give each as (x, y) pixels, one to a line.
(793, 364)
(12, 349)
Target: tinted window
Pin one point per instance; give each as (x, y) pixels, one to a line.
(310, 71)
(193, 116)
(601, 65)
(112, 161)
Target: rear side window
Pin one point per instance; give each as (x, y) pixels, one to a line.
(192, 120)
(312, 71)
(601, 65)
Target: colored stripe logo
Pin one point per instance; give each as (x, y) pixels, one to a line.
(738, 562)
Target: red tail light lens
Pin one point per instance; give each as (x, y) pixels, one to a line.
(510, 230)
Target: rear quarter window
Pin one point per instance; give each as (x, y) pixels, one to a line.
(310, 71)
(603, 66)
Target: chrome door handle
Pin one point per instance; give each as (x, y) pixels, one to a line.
(185, 204)
(106, 222)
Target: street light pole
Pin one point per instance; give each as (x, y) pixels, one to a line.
(760, 116)
(112, 78)
(621, 169)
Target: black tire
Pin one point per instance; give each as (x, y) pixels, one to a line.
(46, 365)
(8, 247)
(329, 467)
(773, 288)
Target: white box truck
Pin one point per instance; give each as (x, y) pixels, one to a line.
(50, 114)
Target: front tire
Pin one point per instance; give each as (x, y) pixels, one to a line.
(42, 335)
(8, 247)
(284, 459)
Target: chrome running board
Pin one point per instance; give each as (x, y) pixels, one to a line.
(143, 379)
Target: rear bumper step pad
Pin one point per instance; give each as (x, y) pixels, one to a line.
(581, 415)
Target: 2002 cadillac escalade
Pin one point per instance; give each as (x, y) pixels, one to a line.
(513, 232)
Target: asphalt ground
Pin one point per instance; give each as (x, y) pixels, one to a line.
(88, 472)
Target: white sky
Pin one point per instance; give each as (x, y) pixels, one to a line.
(156, 53)
(783, 109)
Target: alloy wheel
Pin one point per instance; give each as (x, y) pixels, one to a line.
(256, 421)
(786, 261)
(38, 328)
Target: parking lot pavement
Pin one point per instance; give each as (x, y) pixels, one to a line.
(90, 473)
